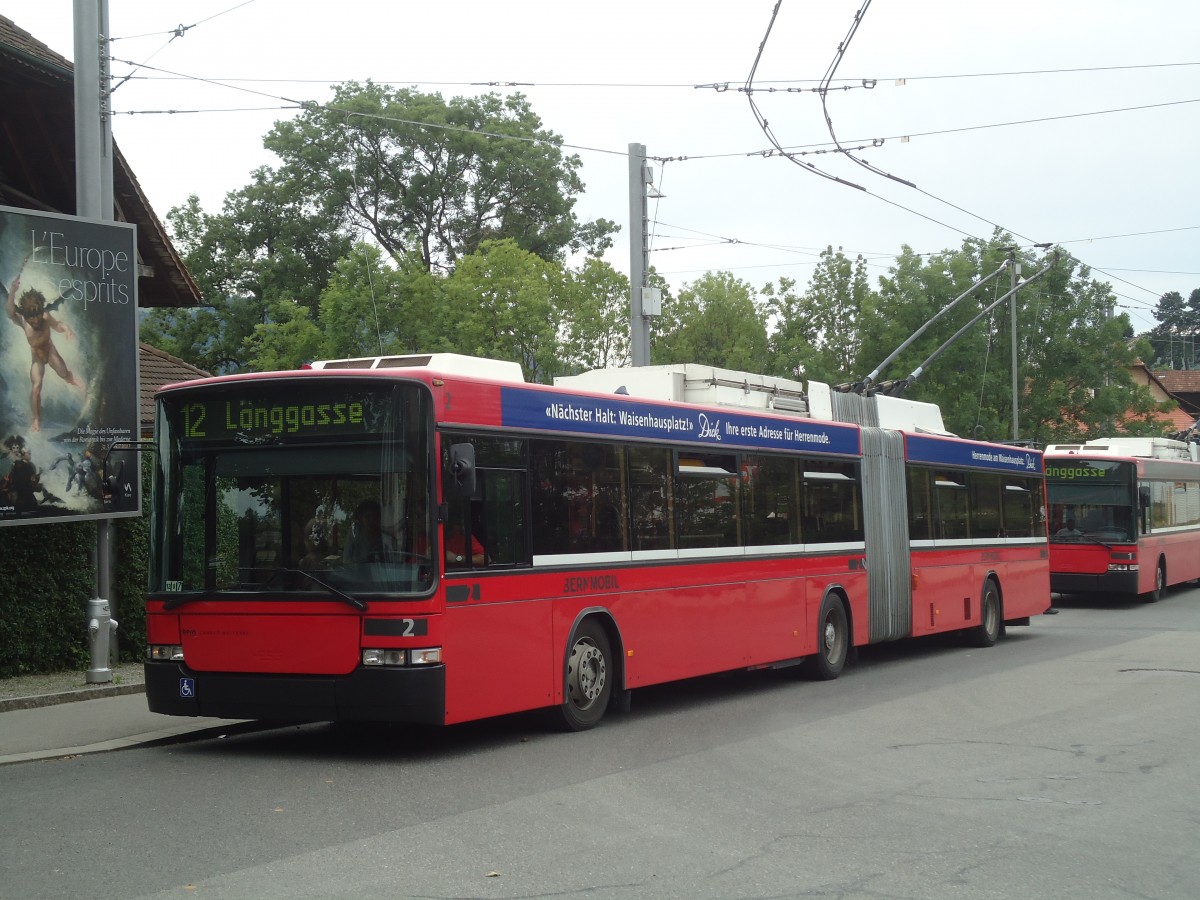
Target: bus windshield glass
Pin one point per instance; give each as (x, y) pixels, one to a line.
(310, 488)
(1091, 499)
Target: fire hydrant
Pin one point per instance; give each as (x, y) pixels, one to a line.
(101, 626)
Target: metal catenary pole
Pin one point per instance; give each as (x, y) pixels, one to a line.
(93, 184)
(1015, 278)
(639, 324)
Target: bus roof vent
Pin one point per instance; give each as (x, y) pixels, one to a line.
(1144, 447)
(692, 383)
(443, 363)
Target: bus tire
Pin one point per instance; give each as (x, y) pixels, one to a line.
(833, 641)
(589, 674)
(987, 632)
(1160, 583)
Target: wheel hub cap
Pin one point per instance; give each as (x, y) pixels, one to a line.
(587, 664)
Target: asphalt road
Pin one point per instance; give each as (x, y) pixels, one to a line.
(1061, 763)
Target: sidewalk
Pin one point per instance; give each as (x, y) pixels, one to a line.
(40, 717)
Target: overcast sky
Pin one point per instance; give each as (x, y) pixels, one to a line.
(1064, 121)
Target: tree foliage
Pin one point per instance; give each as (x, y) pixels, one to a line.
(595, 325)
(505, 303)
(269, 250)
(426, 182)
(1173, 340)
(1074, 359)
(432, 180)
(818, 332)
(717, 320)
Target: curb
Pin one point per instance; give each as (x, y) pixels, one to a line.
(91, 693)
(173, 734)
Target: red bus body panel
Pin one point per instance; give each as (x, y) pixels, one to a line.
(948, 585)
(504, 634)
(1085, 567)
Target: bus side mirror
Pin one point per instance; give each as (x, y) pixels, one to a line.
(1144, 498)
(462, 470)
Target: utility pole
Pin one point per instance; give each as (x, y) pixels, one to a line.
(93, 200)
(1015, 277)
(644, 301)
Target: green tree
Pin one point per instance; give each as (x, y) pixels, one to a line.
(716, 320)
(1074, 359)
(1173, 340)
(504, 302)
(1077, 363)
(269, 249)
(432, 180)
(595, 317)
(818, 332)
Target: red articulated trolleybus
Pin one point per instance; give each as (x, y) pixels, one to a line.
(1124, 516)
(431, 539)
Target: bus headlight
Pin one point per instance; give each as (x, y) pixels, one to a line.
(164, 652)
(430, 656)
(1122, 567)
(380, 657)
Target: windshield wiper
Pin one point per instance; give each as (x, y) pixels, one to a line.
(360, 605)
(1096, 540)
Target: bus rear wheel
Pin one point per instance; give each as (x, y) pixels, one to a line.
(987, 632)
(589, 678)
(833, 641)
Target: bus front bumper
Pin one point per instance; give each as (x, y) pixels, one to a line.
(384, 694)
(1106, 583)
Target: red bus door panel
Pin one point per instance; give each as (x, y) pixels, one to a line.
(499, 659)
(941, 596)
(777, 614)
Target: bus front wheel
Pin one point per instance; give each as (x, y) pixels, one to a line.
(1160, 584)
(589, 678)
(833, 641)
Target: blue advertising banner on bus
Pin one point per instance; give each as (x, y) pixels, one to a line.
(68, 368)
(949, 452)
(524, 408)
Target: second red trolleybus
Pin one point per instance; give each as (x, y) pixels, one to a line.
(1124, 516)
(431, 539)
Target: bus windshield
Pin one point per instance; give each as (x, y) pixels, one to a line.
(305, 488)
(1091, 500)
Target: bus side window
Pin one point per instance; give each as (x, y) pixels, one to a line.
(950, 489)
(832, 502)
(920, 505)
(770, 500)
(498, 522)
(652, 502)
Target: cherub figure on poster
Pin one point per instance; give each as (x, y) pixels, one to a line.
(34, 315)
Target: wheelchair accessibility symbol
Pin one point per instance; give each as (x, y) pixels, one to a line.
(187, 687)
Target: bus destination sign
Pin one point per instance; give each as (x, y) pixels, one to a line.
(1085, 470)
(270, 417)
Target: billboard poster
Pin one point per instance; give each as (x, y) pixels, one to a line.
(68, 368)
